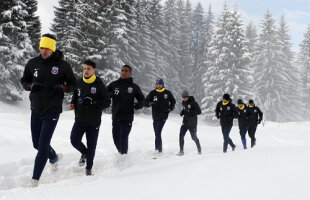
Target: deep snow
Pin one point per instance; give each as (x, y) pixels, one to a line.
(277, 168)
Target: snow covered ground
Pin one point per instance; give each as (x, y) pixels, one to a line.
(277, 168)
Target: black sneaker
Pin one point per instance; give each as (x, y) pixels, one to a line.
(82, 160)
(199, 151)
(88, 172)
(253, 143)
(181, 153)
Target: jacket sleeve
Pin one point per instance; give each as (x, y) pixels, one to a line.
(172, 101)
(70, 80)
(195, 110)
(248, 113)
(235, 112)
(148, 100)
(104, 100)
(74, 99)
(26, 80)
(139, 96)
(110, 90)
(217, 111)
(260, 113)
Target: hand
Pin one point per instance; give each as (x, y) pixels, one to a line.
(182, 113)
(217, 115)
(137, 106)
(259, 121)
(168, 110)
(71, 107)
(35, 87)
(59, 88)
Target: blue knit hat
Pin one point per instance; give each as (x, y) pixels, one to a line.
(160, 81)
(239, 101)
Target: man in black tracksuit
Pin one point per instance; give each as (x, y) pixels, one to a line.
(226, 112)
(162, 102)
(190, 111)
(243, 121)
(255, 118)
(47, 76)
(123, 93)
(88, 101)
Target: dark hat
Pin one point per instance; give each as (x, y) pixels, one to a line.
(185, 93)
(251, 101)
(239, 101)
(160, 81)
(49, 36)
(226, 96)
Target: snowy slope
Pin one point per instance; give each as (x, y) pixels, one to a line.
(277, 168)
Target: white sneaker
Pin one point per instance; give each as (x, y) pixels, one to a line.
(55, 165)
(156, 154)
(34, 183)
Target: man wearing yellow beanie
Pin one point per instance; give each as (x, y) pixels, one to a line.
(47, 77)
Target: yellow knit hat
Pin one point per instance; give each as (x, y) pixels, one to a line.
(48, 43)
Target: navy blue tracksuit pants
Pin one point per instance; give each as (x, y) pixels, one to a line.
(243, 131)
(77, 133)
(226, 130)
(42, 129)
(193, 132)
(121, 131)
(158, 127)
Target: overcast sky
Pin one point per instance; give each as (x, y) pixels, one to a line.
(295, 12)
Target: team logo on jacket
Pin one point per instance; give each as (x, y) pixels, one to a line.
(130, 89)
(166, 96)
(255, 111)
(228, 108)
(55, 70)
(244, 111)
(93, 90)
(189, 106)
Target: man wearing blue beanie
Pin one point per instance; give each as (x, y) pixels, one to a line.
(162, 102)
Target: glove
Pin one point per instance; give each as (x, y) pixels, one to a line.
(168, 110)
(136, 106)
(182, 113)
(259, 121)
(217, 115)
(36, 87)
(59, 88)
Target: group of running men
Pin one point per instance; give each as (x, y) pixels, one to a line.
(48, 76)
